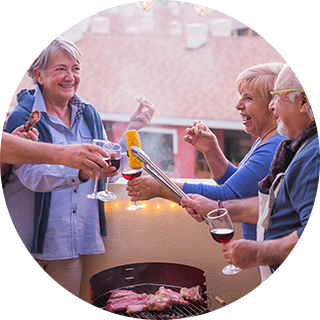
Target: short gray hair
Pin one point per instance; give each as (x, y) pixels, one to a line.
(305, 74)
(3, 20)
(57, 45)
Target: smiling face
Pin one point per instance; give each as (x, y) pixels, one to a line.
(60, 80)
(256, 117)
(292, 116)
(3, 46)
(285, 115)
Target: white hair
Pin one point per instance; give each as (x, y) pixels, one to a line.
(59, 44)
(304, 73)
(3, 20)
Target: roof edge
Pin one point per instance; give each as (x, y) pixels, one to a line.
(252, 24)
(171, 121)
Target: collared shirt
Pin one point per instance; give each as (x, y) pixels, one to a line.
(73, 227)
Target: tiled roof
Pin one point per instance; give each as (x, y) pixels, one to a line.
(182, 83)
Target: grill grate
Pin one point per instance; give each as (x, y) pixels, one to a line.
(177, 312)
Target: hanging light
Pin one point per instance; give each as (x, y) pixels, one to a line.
(145, 5)
(202, 11)
(269, 8)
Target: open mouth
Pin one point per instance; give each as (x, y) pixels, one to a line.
(278, 122)
(245, 118)
(66, 86)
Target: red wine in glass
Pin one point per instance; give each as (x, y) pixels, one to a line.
(115, 162)
(114, 152)
(94, 194)
(222, 231)
(130, 174)
(222, 235)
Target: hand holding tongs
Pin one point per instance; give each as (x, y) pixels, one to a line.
(158, 174)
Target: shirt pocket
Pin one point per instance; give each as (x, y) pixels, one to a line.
(85, 135)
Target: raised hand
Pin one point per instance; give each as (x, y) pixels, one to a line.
(142, 116)
(32, 134)
(203, 140)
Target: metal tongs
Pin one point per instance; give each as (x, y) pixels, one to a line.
(158, 174)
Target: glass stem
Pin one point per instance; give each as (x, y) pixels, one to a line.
(107, 185)
(96, 183)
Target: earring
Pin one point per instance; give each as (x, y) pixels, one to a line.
(301, 111)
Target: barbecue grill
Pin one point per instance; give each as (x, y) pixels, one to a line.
(147, 278)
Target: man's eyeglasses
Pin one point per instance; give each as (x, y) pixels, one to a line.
(275, 94)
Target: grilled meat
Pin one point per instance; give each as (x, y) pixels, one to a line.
(192, 294)
(159, 302)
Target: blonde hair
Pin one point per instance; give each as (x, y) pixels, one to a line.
(3, 20)
(261, 77)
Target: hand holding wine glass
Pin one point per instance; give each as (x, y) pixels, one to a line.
(94, 194)
(134, 167)
(114, 151)
(222, 231)
(130, 174)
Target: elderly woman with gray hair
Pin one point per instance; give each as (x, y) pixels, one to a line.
(48, 203)
(15, 150)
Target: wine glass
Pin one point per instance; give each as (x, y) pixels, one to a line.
(93, 195)
(130, 174)
(114, 151)
(222, 231)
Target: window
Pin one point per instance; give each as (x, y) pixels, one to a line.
(255, 32)
(160, 145)
(202, 168)
(242, 32)
(236, 145)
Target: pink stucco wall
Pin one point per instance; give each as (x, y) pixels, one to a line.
(184, 160)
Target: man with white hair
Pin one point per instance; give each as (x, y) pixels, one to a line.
(288, 249)
(286, 195)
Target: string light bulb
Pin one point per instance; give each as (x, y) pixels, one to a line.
(145, 5)
(269, 8)
(202, 11)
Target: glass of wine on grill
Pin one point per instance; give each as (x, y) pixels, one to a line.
(94, 194)
(222, 231)
(114, 151)
(130, 174)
